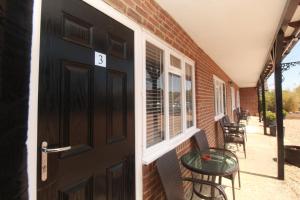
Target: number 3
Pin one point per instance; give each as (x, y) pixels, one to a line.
(100, 59)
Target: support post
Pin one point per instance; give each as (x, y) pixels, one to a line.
(263, 103)
(278, 100)
(258, 102)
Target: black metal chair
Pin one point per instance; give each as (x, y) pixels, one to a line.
(232, 136)
(242, 115)
(170, 175)
(202, 144)
(235, 126)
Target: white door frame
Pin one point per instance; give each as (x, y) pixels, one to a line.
(33, 96)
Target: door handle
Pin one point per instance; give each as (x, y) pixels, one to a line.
(45, 148)
(44, 160)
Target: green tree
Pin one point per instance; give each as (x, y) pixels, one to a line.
(297, 94)
(270, 100)
(289, 101)
(289, 98)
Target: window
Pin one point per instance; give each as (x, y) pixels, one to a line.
(238, 100)
(220, 97)
(175, 105)
(232, 98)
(175, 62)
(169, 99)
(154, 93)
(189, 95)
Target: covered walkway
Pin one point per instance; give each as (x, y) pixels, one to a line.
(259, 170)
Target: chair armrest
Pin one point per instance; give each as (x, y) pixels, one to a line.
(214, 185)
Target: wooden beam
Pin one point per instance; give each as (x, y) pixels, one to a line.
(278, 95)
(288, 14)
(295, 24)
(258, 102)
(263, 104)
(289, 38)
(286, 17)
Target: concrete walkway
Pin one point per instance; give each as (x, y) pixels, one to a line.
(259, 170)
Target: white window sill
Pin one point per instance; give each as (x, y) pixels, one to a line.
(160, 149)
(218, 117)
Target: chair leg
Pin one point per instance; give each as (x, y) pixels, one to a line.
(232, 184)
(239, 179)
(220, 180)
(192, 196)
(201, 186)
(244, 146)
(212, 191)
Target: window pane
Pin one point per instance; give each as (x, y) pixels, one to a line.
(154, 94)
(224, 98)
(216, 98)
(175, 62)
(189, 95)
(175, 117)
(220, 97)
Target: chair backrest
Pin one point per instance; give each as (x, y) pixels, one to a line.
(201, 140)
(237, 115)
(224, 129)
(226, 119)
(170, 175)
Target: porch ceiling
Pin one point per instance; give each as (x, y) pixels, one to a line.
(236, 34)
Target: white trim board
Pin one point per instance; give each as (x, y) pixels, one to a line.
(33, 96)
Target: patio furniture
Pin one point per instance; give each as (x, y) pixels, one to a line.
(242, 115)
(232, 136)
(210, 162)
(235, 127)
(170, 175)
(292, 154)
(202, 144)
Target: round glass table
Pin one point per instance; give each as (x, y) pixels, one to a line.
(213, 162)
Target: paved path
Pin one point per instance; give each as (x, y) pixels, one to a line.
(259, 170)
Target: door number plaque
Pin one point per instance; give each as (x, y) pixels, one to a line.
(100, 59)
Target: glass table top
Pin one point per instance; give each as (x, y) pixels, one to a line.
(210, 162)
(234, 125)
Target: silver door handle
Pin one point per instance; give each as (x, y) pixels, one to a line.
(44, 160)
(45, 148)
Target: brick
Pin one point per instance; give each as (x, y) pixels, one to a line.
(133, 15)
(155, 19)
(141, 12)
(248, 100)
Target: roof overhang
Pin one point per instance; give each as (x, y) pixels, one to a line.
(237, 35)
(291, 29)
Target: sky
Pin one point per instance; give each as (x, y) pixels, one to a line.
(291, 76)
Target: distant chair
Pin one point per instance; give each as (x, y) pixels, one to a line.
(235, 127)
(242, 115)
(202, 144)
(170, 175)
(232, 136)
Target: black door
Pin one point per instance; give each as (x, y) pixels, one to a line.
(86, 101)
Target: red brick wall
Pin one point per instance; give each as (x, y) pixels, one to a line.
(249, 100)
(150, 15)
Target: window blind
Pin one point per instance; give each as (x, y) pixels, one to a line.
(189, 95)
(154, 94)
(175, 116)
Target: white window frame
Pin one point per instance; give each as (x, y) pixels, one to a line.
(220, 106)
(155, 151)
(233, 101)
(238, 100)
